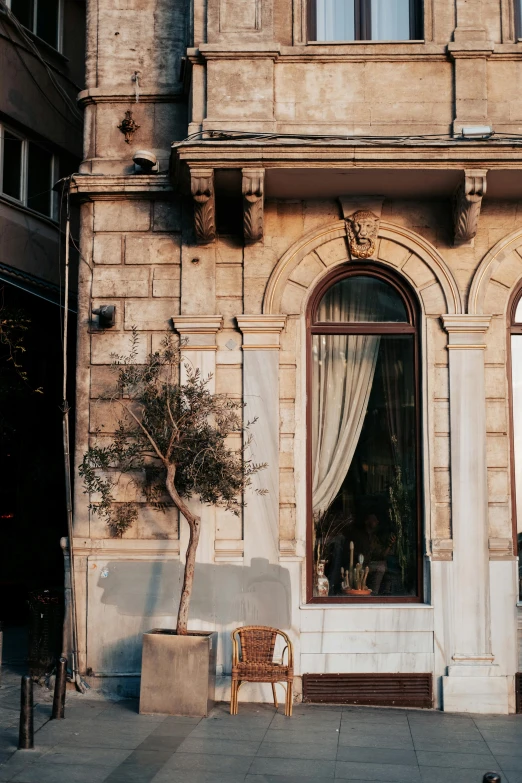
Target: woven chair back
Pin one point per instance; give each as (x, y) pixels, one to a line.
(257, 644)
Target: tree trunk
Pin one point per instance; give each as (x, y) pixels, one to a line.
(190, 561)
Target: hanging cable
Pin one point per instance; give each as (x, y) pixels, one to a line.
(76, 678)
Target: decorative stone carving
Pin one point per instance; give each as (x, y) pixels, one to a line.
(253, 197)
(128, 126)
(202, 189)
(362, 229)
(467, 203)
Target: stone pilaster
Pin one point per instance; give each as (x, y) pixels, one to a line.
(470, 50)
(261, 343)
(473, 683)
(199, 352)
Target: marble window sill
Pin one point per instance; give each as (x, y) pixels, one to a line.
(361, 606)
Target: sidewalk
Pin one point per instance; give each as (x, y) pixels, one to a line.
(109, 742)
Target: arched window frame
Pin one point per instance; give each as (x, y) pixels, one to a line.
(514, 327)
(313, 326)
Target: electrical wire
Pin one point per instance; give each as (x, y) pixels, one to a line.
(211, 136)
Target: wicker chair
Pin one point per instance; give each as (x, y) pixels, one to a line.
(253, 661)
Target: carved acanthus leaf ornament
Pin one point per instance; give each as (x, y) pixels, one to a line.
(362, 229)
(202, 189)
(253, 196)
(467, 204)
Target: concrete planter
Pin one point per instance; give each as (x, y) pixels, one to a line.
(178, 673)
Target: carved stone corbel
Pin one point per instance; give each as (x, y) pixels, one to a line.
(467, 203)
(253, 187)
(202, 189)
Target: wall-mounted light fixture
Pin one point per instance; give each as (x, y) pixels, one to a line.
(106, 316)
(476, 132)
(145, 162)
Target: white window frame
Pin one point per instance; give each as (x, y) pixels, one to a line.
(24, 174)
(59, 31)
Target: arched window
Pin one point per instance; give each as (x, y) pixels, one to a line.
(363, 440)
(516, 414)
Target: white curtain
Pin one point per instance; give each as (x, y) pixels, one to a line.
(342, 378)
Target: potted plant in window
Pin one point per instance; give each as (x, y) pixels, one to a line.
(171, 442)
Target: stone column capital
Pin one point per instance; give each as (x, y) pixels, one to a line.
(261, 332)
(466, 331)
(199, 331)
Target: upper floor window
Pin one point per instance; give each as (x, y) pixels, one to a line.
(27, 172)
(365, 20)
(363, 440)
(41, 17)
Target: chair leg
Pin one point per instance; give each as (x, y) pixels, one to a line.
(232, 689)
(276, 705)
(289, 700)
(234, 698)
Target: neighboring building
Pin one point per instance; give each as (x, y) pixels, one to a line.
(338, 236)
(42, 56)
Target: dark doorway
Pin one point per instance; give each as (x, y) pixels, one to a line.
(32, 487)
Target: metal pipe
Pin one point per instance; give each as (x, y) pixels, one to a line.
(26, 732)
(59, 690)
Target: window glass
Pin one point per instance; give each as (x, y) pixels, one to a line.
(335, 20)
(24, 12)
(365, 20)
(12, 165)
(361, 299)
(390, 20)
(364, 462)
(518, 312)
(39, 179)
(47, 21)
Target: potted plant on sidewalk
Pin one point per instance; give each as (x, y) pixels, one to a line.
(171, 441)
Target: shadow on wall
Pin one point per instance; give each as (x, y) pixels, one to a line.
(137, 596)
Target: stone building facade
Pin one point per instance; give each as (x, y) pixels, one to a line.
(288, 166)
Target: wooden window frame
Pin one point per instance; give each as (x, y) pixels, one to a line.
(382, 328)
(363, 21)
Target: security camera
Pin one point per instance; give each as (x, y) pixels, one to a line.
(145, 162)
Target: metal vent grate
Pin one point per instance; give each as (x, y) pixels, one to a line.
(383, 690)
(518, 692)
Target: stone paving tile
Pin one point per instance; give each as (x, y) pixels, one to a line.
(508, 763)
(450, 759)
(92, 755)
(452, 746)
(458, 774)
(201, 776)
(204, 731)
(219, 747)
(374, 716)
(296, 750)
(282, 779)
(209, 763)
(127, 773)
(301, 767)
(399, 773)
(330, 737)
(60, 773)
(381, 739)
(511, 749)
(161, 743)
(511, 776)
(377, 755)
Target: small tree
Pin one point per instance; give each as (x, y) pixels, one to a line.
(171, 437)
